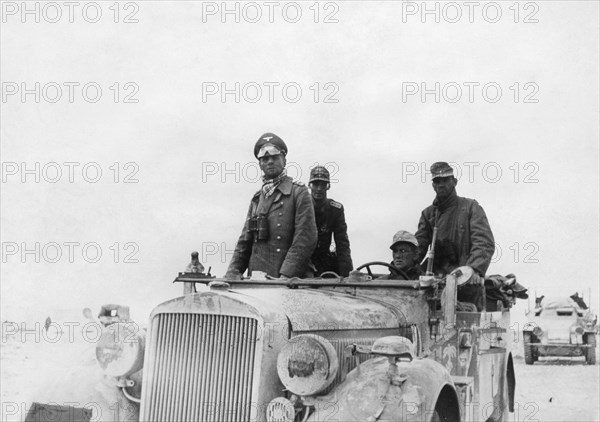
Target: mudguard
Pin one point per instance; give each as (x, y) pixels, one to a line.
(73, 381)
(368, 394)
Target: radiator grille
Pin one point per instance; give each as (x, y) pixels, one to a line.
(340, 346)
(199, 368)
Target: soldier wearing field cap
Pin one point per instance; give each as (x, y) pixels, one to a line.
(464, 236)
(330, 219)
(405, 257)
(279, 234)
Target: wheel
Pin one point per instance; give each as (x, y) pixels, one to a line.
(393, 269)
(446, 409)
(529, 350)
(590, 352)
(440, 416)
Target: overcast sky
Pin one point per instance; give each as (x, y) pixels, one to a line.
(508, 92)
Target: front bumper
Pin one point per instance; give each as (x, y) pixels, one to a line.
(559, 349)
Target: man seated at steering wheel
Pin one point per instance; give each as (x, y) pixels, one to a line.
(405, 255)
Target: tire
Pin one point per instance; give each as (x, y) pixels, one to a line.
(590, 352)
(445, 412)
(529, 350)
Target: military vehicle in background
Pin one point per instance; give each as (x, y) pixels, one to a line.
(560, 326)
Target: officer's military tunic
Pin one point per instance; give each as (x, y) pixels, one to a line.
(331, 221)
(292, 233)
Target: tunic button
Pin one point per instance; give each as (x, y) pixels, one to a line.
(278, 225)
(280, 213)
(278, 250)
(278, 237)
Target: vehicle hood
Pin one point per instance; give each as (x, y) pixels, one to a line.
(315, 310)
(305, 309)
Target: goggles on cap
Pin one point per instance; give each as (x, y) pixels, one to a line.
(268, 149)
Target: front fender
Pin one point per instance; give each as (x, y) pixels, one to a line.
(367, 393)
(71, 378)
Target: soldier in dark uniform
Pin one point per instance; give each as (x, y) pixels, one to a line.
(330, 220)
(279, 234)
(405, 257)
(464, 236)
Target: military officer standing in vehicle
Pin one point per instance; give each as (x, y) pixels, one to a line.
(330, 221)
(464, 236)
(279, 234)
(405, 257)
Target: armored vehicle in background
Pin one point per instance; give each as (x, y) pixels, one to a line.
(560, 327)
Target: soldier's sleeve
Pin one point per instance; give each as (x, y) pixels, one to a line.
(342, 242)
(482, 240)
(424, 234)
(243, 249)
(305, 235)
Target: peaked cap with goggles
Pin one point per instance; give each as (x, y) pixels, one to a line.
(270, 144)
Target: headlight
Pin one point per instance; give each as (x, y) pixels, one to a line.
(307, 364)
(537, 331)
(120, 350)
(579, 330)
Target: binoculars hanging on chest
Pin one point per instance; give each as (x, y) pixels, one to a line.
(258, 228)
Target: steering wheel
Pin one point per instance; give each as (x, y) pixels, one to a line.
(394, 270)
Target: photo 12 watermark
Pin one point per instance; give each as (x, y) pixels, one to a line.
(270, 92)
(71, 332)
(53, 92)
(453, 92)
(454, 12)
(525, 252)
(53, 252)
(476, 172)
(252, 12)
(69, 172)
(52, 12)
(323, 410)
(250, 172)
(216, 251)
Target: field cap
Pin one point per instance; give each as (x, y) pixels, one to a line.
(404, 236)
(271, 144)
(441, 169)
(319, 173)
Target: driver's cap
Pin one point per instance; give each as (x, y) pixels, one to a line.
(404, 236)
